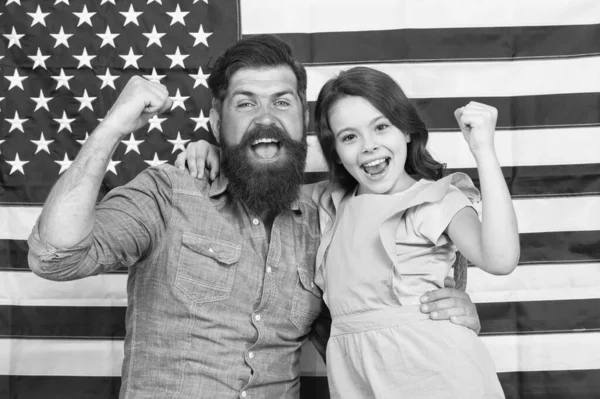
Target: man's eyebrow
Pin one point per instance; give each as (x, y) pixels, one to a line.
(245, 93)
(284, 93)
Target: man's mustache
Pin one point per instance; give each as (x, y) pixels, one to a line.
(265, 132)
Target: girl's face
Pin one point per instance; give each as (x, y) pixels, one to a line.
(371, 149)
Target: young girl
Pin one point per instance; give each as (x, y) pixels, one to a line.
(392, 222)
(396, 224)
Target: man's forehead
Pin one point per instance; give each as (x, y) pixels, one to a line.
(279, 78)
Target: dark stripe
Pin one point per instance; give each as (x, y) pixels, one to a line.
(532, 181)
(421, 45)
(580, 384)
(564, 246)
(13, 256)
(554, 247)
(83, 322)
(575, 109)
(109, 322)
(539, 316)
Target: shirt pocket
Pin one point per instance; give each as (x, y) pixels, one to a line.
(206, 268)
(307, 302)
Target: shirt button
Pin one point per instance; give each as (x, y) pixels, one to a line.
(257, 317)
(251, 355)
(269, 269)
(244, 393)
(255, 221)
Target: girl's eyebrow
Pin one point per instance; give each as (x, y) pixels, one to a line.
(372, 121)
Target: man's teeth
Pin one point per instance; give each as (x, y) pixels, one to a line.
(264, 141)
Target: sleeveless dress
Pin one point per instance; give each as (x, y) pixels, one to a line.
(380, 256)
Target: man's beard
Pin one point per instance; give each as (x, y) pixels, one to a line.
(266, 187)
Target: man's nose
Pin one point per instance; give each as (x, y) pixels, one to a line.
(265, 117)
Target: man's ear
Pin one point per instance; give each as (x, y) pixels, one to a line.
(306, 117)
(215, 124)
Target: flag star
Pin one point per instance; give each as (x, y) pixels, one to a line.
(84, 16)
(178, 16)
(61, 1)
(84, 59)
(108, 1)
(38, 16)
(201, 36)
(178, 101)
(82, 142)
(14, 38)
(154, 37)
(41, 101)
(16, 122)
(42, 144)
(64, 164)
(154, 77)
(177, 58)
(158, 1)
(155, 161)
(195, 1)
(14, 1)
(200, 78)
(108, 79)
(16, 80)
(132, 144)
(86, 101)
(155, 122)
(17, 164)
(65, 123)
(111, 167)
(39, 59)
(62, 80)
(131, 16)
(61, 38)
(108, 37)
(131, 59)
(178, 143)
(201, 121)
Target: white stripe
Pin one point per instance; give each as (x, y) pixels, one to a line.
(310, 16)
(535, 352)
(479, 79)
(536, 147)
(61, 357)
(542, 282)
(27, 289)
(16, 222)
(535, 215)
(532, 352)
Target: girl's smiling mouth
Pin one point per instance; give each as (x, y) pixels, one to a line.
(376, 167)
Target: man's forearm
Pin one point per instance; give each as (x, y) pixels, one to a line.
(68, 213)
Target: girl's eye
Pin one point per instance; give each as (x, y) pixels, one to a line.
(382, 126)
(348, 137)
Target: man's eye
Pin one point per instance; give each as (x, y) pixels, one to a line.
(282, 103)
(244, 105)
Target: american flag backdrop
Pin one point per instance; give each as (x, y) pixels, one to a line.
(63, 63)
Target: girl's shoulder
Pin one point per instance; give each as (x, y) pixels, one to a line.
(448, 188)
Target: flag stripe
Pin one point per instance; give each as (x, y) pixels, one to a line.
(535, 215)
(309, 16)
(69, 322)
(458, 44)
(531, 352)
(516, 112)
(479, 78)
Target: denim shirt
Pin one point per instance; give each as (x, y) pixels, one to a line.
(215, 310)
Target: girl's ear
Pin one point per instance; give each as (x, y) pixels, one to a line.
(408, 137)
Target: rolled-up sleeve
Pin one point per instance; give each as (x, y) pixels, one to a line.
(128, 225)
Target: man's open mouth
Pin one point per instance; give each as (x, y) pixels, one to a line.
(265, 148)
(376, 167)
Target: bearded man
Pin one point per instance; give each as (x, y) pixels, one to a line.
(220, 274)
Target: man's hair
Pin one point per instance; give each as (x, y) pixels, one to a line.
(261, 51)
